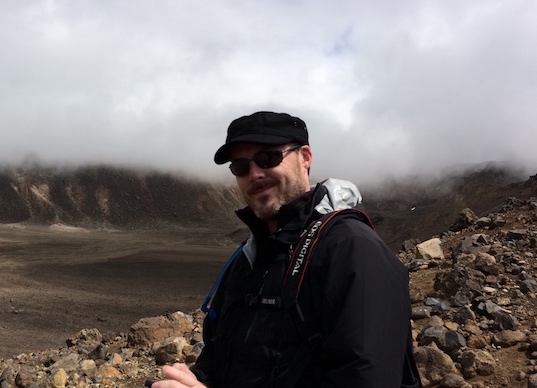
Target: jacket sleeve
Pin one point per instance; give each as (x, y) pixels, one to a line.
(203, 368)
(366, 309)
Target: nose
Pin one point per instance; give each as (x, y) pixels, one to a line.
(255, 172)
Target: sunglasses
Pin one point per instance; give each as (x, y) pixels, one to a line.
(263, 159)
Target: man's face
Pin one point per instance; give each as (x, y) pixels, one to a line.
(266, 190)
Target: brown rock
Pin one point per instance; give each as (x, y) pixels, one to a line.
(156, 329)
(107, 373)
(171, 351)
(507, 338)
(25, 377)
(433, 364)
(453, 380)
(478, 341)
(477, 362)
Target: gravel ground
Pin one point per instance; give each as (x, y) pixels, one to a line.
(55, 281)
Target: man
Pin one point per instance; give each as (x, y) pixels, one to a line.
(351, 321)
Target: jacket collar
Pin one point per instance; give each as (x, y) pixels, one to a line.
(293, 217)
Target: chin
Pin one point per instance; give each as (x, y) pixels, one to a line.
(266, 212)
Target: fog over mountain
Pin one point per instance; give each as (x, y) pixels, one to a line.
(387, 89)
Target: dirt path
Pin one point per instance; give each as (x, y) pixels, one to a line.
(57, 281)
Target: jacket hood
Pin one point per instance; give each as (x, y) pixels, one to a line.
(340, 194)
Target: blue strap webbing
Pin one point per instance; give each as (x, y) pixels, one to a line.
(205, 305)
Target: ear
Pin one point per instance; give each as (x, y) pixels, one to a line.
(307, 156)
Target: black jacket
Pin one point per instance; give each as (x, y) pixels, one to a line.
(354, 296)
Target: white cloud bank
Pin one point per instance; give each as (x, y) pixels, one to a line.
(386, 88)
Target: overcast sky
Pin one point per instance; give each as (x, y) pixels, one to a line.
(386, 87)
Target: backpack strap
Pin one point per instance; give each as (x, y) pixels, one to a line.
(296, 269)
(295, 275)
(302, 252)
(298, 264)
(205, 305)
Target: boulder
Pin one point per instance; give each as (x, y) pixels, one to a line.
(433, 364)
(477, 362)
(148, 331)
(465, 219)
(430, 250)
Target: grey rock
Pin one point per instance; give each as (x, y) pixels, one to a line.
(517, 234)
(483, 222)
(421, 312)
(430, 301)
(461, 299)
(489, 307)
(68, 363)
(532, 340)
(528, 285)
(433, 334)
(410, 245)
(465, 219)
(503, 321)
(454, 341)
(464, 314)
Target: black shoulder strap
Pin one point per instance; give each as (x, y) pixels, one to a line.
(295, 275)
(302, 252)
(298, 264)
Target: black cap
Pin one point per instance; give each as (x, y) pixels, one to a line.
(263, 128)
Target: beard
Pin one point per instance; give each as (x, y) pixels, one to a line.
(267, 207)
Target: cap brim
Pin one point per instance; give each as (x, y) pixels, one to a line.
(223, 155)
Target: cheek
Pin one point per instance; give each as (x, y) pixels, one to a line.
(242, 184)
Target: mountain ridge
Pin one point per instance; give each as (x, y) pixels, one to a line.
(114, 197)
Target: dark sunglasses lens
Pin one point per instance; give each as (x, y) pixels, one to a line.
(268, 159)
(263, 159)
(240, 167)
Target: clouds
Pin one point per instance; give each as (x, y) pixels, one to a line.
(391, 88)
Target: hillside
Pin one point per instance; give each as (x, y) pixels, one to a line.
(412, 208)
(109, 197)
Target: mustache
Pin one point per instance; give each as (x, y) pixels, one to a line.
(258, 186)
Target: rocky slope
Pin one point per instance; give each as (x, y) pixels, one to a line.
(473, 287)
(473, 290)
